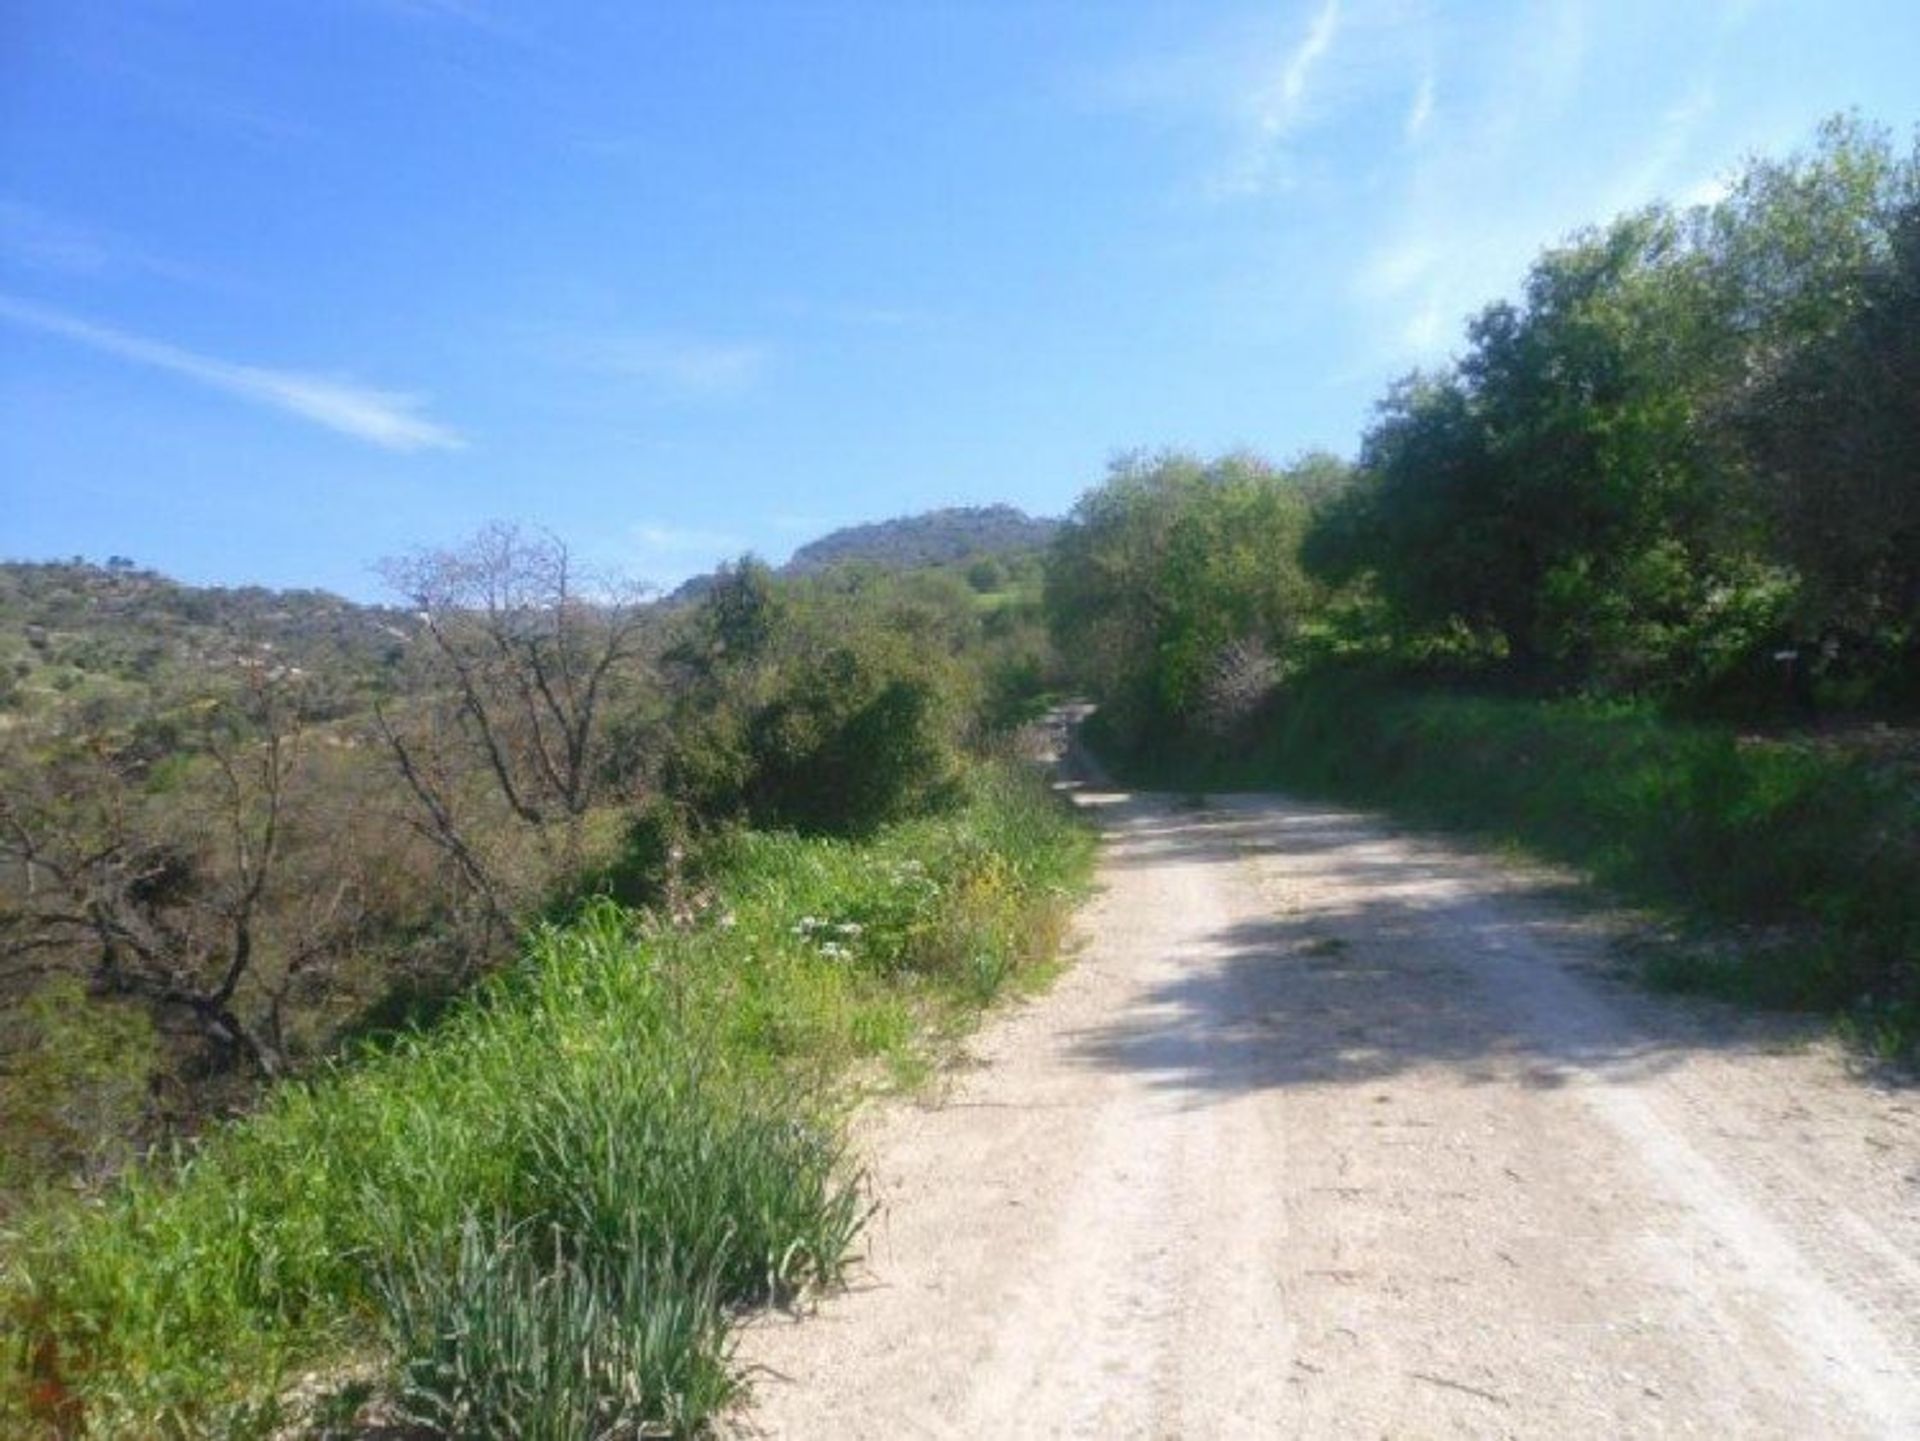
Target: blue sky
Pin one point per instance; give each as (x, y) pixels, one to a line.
(287, 286)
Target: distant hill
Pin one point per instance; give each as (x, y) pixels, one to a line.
(910, 542)
(68, 624)
(936, 537)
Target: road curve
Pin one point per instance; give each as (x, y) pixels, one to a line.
(1331, 1131)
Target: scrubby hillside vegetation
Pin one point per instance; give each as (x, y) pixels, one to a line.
(549, 928)
(76, 633)
(1635, 579)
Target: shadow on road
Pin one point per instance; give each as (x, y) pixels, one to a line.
(1367, 953)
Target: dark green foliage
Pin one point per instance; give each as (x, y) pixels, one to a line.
(987, 575)
(844, 746)
(74, 1086)
(1169, 566)
(1677, 476)
(834, 744)
(740, 616)
(1834, 431)
(851, 705)
(1688, 446)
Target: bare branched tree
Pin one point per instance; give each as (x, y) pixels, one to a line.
(532, 659)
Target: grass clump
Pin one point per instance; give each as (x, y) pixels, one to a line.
(519, 1337)
(543, 1212)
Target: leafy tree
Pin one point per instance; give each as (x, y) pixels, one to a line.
(1172, 566)
(1622, 483)
(1833, 432)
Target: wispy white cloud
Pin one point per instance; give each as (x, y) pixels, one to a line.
(1265, 83)
(385, 418)
(1278, 104)
(475, 15)
(198, 100)
(678, 539)
(1420, 111)
(860, 316)
(450, 9)
(1708, 190)
(1553, 50)
(1394, 269)
(681, 365)
(39, 239)
(1462, 234)
(1289, 97)
(1655, 171)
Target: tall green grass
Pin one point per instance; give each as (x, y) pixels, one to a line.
(538, 1217)
(1817, 850)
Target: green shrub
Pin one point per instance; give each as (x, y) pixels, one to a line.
(840, 743)
(75, 1084)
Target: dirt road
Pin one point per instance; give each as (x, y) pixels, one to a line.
(1333, 1132)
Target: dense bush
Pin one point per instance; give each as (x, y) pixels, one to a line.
(828, 706)
(1170, 564)
(1689, 447)
(279, 825)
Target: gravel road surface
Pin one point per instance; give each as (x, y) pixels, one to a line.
(1332, 1131)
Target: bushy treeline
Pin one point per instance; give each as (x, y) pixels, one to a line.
(74, 633)
(200, 858)
(750, 855)
(1686, 462)
(1683, 464)
(1669, 494)
(1176, 590)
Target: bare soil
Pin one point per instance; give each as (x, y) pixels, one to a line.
(1333, 1131)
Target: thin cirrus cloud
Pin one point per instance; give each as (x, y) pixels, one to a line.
(1420, 112)
(676, 365)
(1278, 103)
(40, 240)
(1263, 82)
(1461, 237)
(384, 418)
(1289, 97)
(681, 540)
